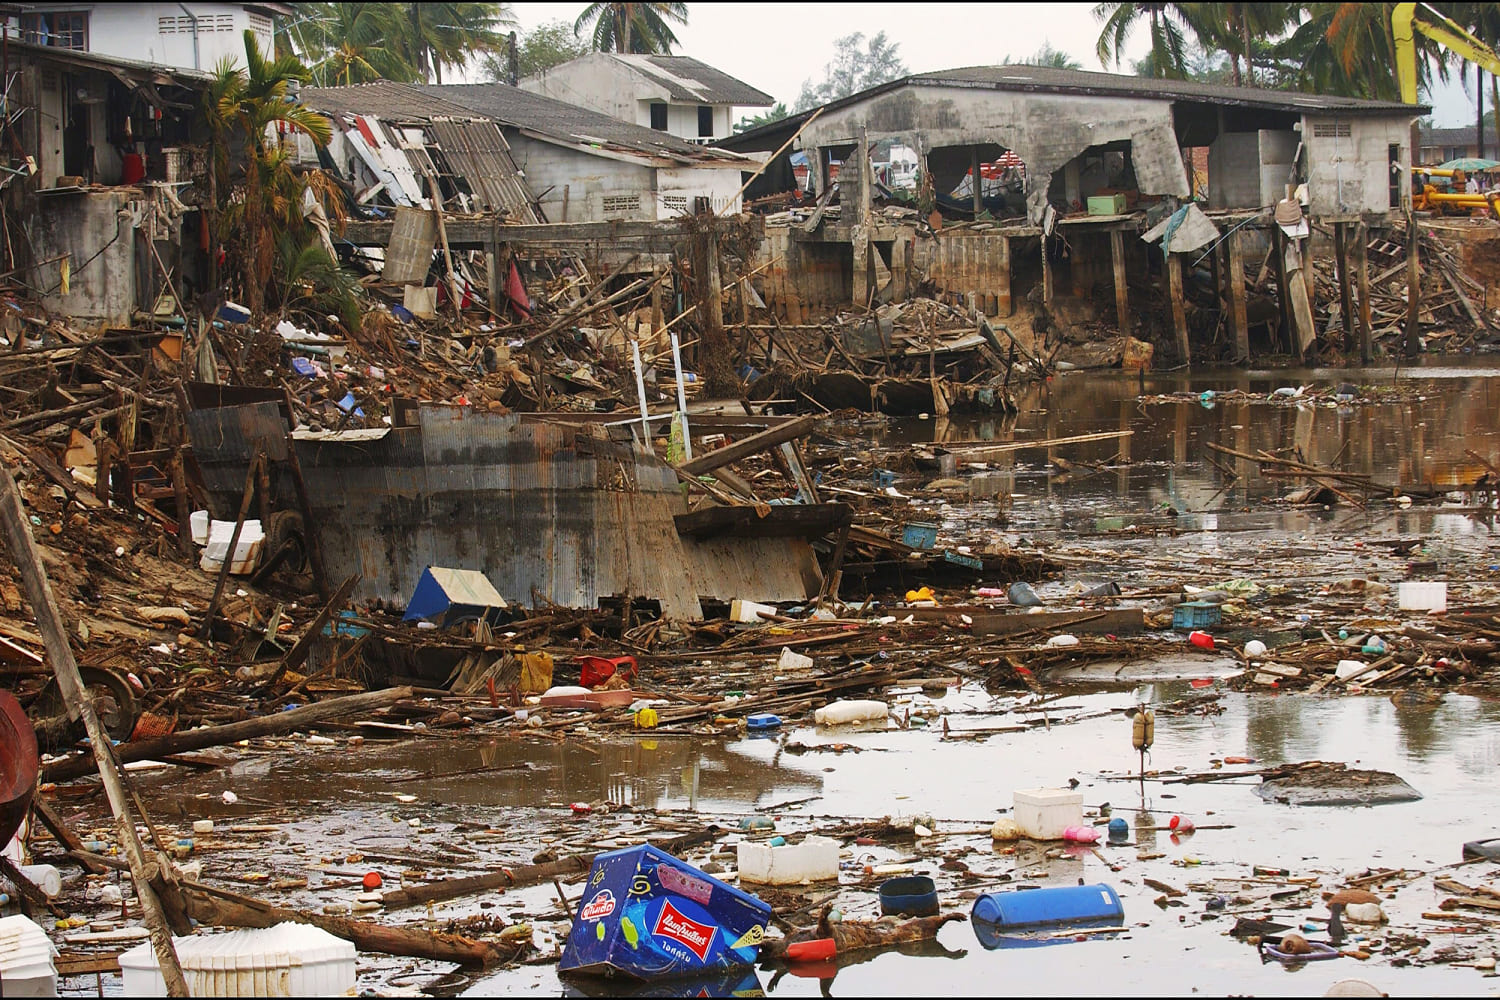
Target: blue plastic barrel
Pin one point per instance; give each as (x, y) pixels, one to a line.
(1036, 907)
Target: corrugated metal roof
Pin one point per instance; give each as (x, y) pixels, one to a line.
(478, 151)
(687, 79)
(570, 123)
(384, 98)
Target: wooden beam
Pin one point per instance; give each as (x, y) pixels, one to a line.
(988, 621)
(1362, 278)
(1346, 293)
(755, 443)
(983, 453)
(1179, 307)
(475, 232)
(1122, 290)
(217, 736)
(1238, 315)
(1413, 284)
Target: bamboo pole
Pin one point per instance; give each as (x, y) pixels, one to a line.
(147, 874)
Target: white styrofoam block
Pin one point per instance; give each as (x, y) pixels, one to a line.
(1044, 813)
(748, 612)
(816, 859)
(288, 960)
(1414, 595)
(198, 521)
(26, 953)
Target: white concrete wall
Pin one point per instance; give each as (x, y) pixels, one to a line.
(599, 83)
(152, 32)
(678, 186)
(1348, 162)
(1045, 130)
(610, 87)
(598, 188)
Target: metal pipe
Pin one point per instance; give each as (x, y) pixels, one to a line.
(194, 18)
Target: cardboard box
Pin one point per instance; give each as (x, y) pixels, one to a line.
(1107, 204)
(646, 914)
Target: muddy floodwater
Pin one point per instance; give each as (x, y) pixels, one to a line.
(1148, 508)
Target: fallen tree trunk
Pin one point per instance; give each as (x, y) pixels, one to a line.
(213, 906)
(508, 878)
(217, 736)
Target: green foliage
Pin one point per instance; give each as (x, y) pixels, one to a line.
(1046, 56)
(756, 121)
(358, 42)
(642, 28)
(540, 49)
(307, 278)
(857, 65)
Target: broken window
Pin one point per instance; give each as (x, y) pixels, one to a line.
(60, 29)
(659, 117)
(705, 121)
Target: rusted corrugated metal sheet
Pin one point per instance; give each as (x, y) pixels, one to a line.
(478, 151)
(542, 510)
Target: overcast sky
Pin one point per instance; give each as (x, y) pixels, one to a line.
(776, 46)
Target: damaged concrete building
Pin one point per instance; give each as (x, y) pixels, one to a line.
(1107, 158)
(101, 152)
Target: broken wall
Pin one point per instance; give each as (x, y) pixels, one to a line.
(94, 232)
(803, 274)
(1044, 130)
(1348, 163)
(594, 188)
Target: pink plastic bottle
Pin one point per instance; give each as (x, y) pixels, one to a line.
(1081, 834)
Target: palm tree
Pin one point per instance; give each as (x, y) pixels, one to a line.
(432, 36)
(632, 27)
(1170, 25)
(1241, 28)
(347, 43)
(1046, 56)
(1348, 49)
(246, 105)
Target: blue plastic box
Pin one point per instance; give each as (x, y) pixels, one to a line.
(920, 534)
(647, 915)
(762, 720)
(1196, 614)
(1039, 907)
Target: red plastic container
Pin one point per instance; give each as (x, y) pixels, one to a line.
(820, 950)
(595, 670)
(1201, 639)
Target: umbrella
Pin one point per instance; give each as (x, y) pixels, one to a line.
(1469, 164)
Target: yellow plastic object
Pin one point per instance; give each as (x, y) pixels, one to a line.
(646, 719)
(923, 594)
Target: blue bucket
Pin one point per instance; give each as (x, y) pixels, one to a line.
(912, 896)
(1040, 907)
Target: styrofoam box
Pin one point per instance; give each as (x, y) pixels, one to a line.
(1412, 595)
(26, 968)
(288, 960)
(816, 859)
(1044, 813)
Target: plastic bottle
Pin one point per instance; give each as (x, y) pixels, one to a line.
(1081, 834)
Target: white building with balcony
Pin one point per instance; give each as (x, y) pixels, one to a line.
(178, 35)
(674, 94)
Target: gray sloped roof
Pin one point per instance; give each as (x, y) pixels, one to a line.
(1464, 135)
(687, 79)
(384, 98)
(1047, 80)
(568, 122)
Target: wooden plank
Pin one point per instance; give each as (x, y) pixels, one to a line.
(988, 621)
(984, 453)
(1341, 269)
(755, 443)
